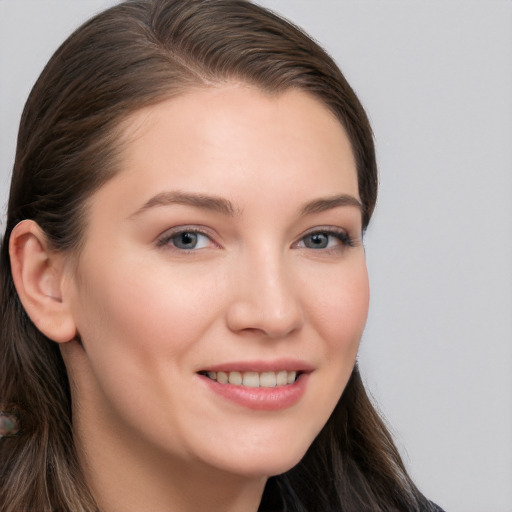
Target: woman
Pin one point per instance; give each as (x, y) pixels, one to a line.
(184, 285)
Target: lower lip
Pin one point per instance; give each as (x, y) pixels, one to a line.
(260, 399)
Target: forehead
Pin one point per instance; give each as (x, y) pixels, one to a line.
(237, 126)
(261, 152)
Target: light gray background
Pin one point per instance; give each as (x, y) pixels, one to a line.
(436, 79)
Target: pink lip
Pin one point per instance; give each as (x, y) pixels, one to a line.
(261, 399)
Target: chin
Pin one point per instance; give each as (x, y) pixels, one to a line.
(259, 463)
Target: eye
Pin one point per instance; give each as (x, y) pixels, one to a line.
(185, 240)
(326, 239)
(317, 241)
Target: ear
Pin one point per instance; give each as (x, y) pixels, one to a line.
(39, 273)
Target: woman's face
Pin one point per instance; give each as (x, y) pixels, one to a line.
(227, 248)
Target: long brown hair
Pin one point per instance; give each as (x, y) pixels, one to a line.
(136, 54)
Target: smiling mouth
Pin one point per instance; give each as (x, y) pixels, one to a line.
(254, 379)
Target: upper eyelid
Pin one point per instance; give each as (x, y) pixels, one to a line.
(192, 228)
(324, 229)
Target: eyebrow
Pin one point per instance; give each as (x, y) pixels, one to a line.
(226, 207)
(328, 203)
(205, 202)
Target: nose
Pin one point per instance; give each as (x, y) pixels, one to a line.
(265, 299)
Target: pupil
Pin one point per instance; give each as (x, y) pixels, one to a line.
(187, 240)
(319, 240)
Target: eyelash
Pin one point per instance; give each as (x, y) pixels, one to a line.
(340, 234)
(168, 236)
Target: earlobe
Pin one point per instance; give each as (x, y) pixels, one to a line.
(38, 274)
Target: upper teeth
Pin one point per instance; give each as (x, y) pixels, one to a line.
(254, 379)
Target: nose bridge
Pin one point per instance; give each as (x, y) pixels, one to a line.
(266, 298)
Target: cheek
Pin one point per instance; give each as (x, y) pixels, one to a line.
(341, 308)
(140, 296)
(342, 311)
(139, 333)
(139, 324)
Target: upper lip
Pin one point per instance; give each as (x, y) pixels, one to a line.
(261, 366)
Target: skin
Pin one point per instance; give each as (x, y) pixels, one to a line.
(150, 315)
